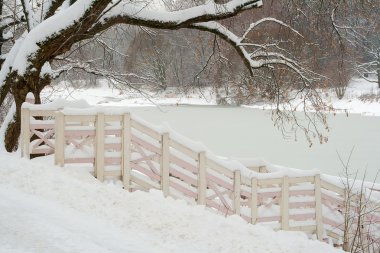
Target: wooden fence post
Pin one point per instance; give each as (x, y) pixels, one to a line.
(202, 183)
(99, 164)
(254, 202)
(236, 200)
(59, 145)
(25, 132)
(318, 206)
(126, 151)
(165, 164)
(285, 203)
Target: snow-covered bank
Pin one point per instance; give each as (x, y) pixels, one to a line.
(361, 97)
(50, 209)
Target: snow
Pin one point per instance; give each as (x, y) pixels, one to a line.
(57, 104)
(50, 209)
(105, 94)
(157, 12)
(351, 102)
(48, 227)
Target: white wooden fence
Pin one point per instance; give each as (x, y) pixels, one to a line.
(145, 157)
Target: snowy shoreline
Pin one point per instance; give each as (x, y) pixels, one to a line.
(104, 94)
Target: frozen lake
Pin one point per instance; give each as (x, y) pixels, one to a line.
(249, 133)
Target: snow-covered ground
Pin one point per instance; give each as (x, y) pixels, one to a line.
(50, 209)
(361, 97)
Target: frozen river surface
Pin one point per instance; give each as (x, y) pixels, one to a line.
(249, 133)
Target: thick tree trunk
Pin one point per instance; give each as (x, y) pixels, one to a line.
(21, 86)
(13, 131)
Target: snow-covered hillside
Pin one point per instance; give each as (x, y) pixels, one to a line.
(50, 209)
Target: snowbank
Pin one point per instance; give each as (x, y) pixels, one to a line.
(50, 209)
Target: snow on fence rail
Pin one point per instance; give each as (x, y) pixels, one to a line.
(147, 157)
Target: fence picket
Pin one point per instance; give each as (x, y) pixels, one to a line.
(254, 202)
(99, 161)
(126, 151)
(236, 194)
(318, 207)
(59, 154)
(285, 203)
(202, 183)
(165, 164)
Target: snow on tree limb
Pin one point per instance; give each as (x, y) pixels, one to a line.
(7, 67)
(260, 58)
(201, 13)
(269, 19)
(74, 18)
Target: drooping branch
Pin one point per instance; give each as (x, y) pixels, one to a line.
(229, 37)
(254, 25)
(261, 55)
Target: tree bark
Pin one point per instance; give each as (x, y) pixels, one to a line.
(20, 87)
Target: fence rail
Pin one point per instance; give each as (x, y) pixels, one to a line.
(146, 157)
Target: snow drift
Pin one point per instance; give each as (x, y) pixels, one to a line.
(50, 209)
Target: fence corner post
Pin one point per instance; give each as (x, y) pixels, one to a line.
(318, 206)
(285, 203)
(202, 183)
(165, 164)
(126, 151)
(99, 164)
(59, 145)
(236, 194)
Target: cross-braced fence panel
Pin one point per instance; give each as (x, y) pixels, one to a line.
(145, 157)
